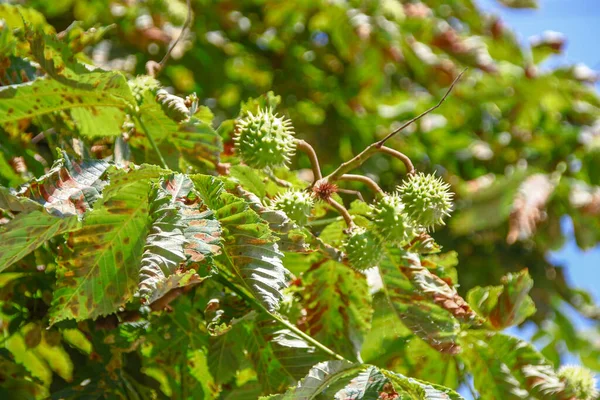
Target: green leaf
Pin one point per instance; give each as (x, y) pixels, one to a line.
(153, 119)
(426, 319)
(177, 349)
(15, 17)
(16, 383)
(26, 232)
(194, 140)
(504, 367)
(99, 271)
(11, 202)
(71, 85)
(392, 346)
(69, 188)
(250, 251)
(279, 356)
(505, 305)
(369, 384)
(224, 355)
(198, 143)
(419, 390)
(43, 96)
(177, 230)
(249, 179)
(320, 377)
(39, 357)
(338, 307)
(49, 206)
(99, 122)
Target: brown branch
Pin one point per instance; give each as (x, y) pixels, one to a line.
(353, 192)
(353, 163)
(343, 212)
(418, 117)
(306, 148)
(278, 181)
(410, 169)
(152, 67)
(366, 180)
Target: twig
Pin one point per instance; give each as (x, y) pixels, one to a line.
(42, 135)
(410, 169)
(278, 181)
(361, 157)
(343, 212)
(324, 221)
(312, 155)
(154, 68)
(354, 192)
(222, 279)
(152, 143)
(366, 180)
(353, 163)
(328, 250)
(418, 117)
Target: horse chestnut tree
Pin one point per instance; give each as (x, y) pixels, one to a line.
(149, 250)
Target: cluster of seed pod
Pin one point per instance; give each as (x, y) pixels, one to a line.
(265, 140)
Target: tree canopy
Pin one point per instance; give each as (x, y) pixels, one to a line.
(236, 220)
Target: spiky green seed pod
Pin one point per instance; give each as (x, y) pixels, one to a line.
(142, 84)
(579, 382)
(363, 249)
(391, 221)
(426, 199)
(265, 140)
(296, 204)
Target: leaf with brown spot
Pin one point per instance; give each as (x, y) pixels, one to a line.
(436, 289)
(415, 307)
(177, 230)
(80, 87)
(504, 367)
(69, 188)
(250, 251)
(338, 307)
(505, 305)
(97, 268)
(27, 232)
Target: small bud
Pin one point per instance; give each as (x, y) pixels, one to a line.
(296, 204)
(579, 382)
(264, 140)
(363, 249)
(426, 199)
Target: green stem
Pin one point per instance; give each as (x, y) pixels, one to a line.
(152, 143)
(222, 279)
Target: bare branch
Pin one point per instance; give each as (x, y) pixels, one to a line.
(343, 212)
(418, 117)
(410, 169)
(312, 155)
(354, 192)
(152, 67)
(278, 181)
(366, 180)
